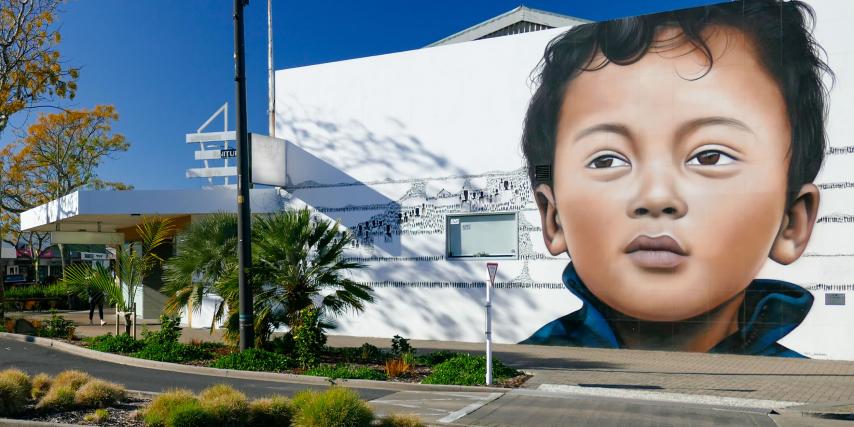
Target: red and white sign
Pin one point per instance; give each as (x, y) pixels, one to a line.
(493, 268)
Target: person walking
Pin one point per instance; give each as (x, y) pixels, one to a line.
(96, 299)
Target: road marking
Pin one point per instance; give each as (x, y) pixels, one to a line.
(453, 416)
(699, 399)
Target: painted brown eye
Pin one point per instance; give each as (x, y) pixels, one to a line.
(710, 158)
(607, 161)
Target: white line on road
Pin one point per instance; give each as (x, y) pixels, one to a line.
(453, 416)
(698, 399)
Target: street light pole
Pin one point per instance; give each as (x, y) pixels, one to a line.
(244, 232)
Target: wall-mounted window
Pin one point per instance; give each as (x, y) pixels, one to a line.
(482, 236)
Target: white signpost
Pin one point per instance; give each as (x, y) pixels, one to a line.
(492, 267)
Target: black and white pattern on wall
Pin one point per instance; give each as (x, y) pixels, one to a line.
(421, 213)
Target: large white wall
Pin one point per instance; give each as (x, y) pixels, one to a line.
(378, 137)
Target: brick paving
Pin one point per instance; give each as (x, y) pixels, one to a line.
(751, 377)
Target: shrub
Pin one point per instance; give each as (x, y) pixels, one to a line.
(336, 407)
(169, 332)
(56, 327)
(272, 412)
(309, 338)
(171, 351)
(396, 367)
(14, 392)
(346, 372)
(226, 405)
(157, 413)
(400, 346)
(283, 344)
(190, 414)
(400, 421)
(125, 344)
(59, 397)
(437, 357)
(255, 360)
(71, 379)
(99, 394)
(100, 416)
(41, 384)
(468, 370)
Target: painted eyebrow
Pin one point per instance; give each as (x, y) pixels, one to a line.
(606, 128)
(695, 124)
(683, 130)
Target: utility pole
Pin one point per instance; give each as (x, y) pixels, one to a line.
(271, 82)
(244, 231)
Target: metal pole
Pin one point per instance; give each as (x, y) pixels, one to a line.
(271, 82)
(244, 233)
(489, 333)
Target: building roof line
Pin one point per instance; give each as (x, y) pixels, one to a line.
(518, 14)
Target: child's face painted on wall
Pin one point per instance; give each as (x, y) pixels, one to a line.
(669, 189)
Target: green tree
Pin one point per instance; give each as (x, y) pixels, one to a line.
(59, 154)
(297, 261)
(133, 263)
(31, 69)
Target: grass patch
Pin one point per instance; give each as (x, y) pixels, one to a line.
(336, 407)
(59, 397)
(347, 372)
(437, 357)
(468, 370)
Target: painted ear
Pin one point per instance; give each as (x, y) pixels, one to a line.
(796, 229)
(552, 230)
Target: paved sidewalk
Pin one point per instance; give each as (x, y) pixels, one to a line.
(745, 377)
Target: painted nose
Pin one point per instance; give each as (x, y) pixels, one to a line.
(658, 197)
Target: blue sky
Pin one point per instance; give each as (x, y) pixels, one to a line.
(167, 64)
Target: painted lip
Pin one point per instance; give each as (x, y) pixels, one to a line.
(662, 252)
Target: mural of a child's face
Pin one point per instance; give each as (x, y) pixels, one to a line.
(669, 179)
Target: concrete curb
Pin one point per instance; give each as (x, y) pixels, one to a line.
(9, 422)
(244, 375)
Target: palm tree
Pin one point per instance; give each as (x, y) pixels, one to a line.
(297, 263)
(133, 263)
(205, 263)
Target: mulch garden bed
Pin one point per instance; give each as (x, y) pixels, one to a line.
(124, 414)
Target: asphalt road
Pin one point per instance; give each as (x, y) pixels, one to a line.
(515, 408)
(33, 359)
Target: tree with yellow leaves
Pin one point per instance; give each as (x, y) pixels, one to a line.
(31, 69)
(59, 154)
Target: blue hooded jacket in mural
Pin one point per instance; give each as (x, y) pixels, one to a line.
(771, 310)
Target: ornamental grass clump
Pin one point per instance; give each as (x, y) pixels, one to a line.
(71, 379)
(100, 416)
(336, 407)
(159, 411)
(59, 397)
(191, 414)
(99, 394)
(14, 391)
(271, 412)
(225, 404)
(395, 420)
(40, 385)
